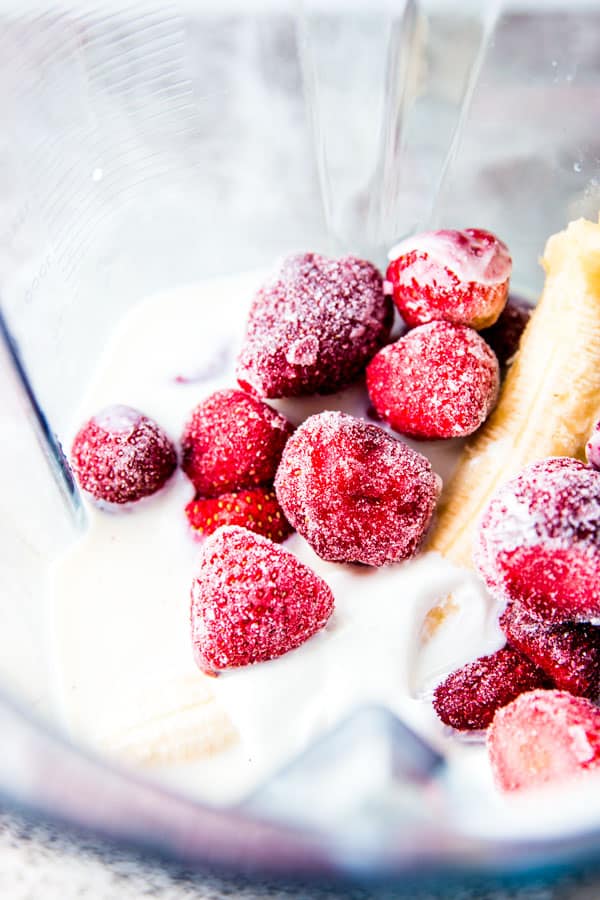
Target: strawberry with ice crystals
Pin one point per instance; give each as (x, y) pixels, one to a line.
(232, 441)
(438, 381)
(256, 509)
(539, 541)
(469, 697)
(542, 737)
(457, 276)
(314, 327)
(592, 448)
(120, 455)
(568, 653)
(354, 492)
(252, 601)
(504, 336)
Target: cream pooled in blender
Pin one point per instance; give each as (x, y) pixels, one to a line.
(119, 605)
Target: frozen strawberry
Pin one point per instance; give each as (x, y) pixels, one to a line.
(120, 455)
(568, 653)
(541, 737)
(354, 492)
(504, 335)
(592, 448)
(232, 441)
(457, 276)
(254, 508)
(538, 542)
(469, 697)
(252, 601)
(314, 327)
(438, 381)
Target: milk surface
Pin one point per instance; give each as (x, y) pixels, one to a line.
(119, 599)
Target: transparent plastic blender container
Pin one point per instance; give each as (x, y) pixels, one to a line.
(147, 148)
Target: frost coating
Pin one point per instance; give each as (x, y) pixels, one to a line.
(120, 456)
(455, 276)
(232, 441)
(543, 736)
(438, 381)
(252, 601)
(469, 697)
(539, 541)
(568, 653)
(314, 326)
(354, 492)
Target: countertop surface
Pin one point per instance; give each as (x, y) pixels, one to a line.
(40, 862)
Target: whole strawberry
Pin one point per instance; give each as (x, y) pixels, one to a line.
(569, 653)
(232, 441)
(468, 698)
(314, 327)
(543, 737)
(120, 455)
(256, 509)
(437, 381)
(252, 601)
(354, 492)
(538, 542)
(456, 276)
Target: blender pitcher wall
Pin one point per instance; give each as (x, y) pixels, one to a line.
(143, 151)
(146, 149)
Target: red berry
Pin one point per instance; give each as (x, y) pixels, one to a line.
(252, 601)
(504, 335)
(314, 327)
(256, 509)
(457, 276)
(232, 441)
(120, 455)
(592, 448)
(354, 492)
(469, 697)
(543, 736)
(539, 541)
(568, 653)
(438, 381)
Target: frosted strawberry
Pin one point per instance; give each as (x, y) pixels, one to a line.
(252, 601)
(314, 326)
(438, 381)
(568, 653)
(120, 455)
(592, 448)
(543, 737)
(456, 276)
(256, 509)
(469, 697)
(354, 492)
(539, 541)
(232, 441)
(504, 336)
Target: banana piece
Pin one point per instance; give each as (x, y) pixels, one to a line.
(551, 396)
(175, 721)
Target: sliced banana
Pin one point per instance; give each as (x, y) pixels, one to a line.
(174, 721)
(551, 396)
